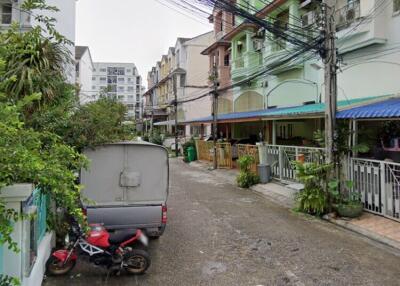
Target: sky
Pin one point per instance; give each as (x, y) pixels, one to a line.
(138, 31)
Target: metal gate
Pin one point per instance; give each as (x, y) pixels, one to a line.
(224, 155)
(378, 183)
(281, 159)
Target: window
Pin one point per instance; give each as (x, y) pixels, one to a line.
(93, 88)
(120, 97)
(128, 71)
(103, 79)
(103, 70)
(182, 80)
(130, 96)
(6, 14)
(93, 78)
(121, 88)
(130, 79)
(131, 106)
(115, 71)
(112, 79)
(138, 80)
(396, 6)
(121, 80)
(131, 88)
(226, 60)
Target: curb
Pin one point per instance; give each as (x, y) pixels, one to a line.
(376, 237)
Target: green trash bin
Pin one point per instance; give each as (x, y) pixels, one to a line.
(191, 154)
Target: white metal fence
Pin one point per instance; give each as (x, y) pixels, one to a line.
(280, 158)
(378, 183)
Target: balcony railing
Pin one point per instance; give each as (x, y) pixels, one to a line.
(239, 62)
(348, 14)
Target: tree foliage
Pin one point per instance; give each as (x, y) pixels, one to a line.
(97, 123)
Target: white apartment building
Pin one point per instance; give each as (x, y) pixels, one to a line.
(10, 12)
(84, 72)
(121, 81)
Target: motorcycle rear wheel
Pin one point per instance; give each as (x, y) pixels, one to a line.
(55, 267)
(137, 261)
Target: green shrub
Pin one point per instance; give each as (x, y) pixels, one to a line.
(314, 198)
(246, 177)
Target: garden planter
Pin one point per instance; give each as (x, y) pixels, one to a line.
(350, 210)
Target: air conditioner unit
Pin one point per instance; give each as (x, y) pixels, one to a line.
(308, 19)
(350, 15)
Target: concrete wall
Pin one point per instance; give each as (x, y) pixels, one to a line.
(15, 263)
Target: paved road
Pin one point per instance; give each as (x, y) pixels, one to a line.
(220, 235)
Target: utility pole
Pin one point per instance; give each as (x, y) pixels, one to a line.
(330, 62)
(176, 114)
(215, 114)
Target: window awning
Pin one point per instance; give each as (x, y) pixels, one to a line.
(389, 108)
(301, 111)
(167, 123)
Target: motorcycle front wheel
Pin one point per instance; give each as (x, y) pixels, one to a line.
(55, 267)
(136, 261)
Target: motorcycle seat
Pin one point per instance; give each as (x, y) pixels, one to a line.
(122, 235)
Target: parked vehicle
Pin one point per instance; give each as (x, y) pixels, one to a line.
(127, 187)
(113, 252)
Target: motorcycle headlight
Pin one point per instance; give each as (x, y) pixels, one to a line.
(66, 240)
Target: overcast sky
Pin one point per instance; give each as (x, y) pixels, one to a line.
(137, 31)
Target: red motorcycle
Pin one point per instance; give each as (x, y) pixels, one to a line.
(113, 251)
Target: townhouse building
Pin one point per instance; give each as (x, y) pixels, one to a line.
(181, 74)
(285, 102)
(121, 81)
(367, 47)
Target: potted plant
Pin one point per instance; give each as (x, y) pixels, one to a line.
(348, 203)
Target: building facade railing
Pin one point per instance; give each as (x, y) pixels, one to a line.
(348, 14)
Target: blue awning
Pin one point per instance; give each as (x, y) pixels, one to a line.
(389, 108)
(315, 109)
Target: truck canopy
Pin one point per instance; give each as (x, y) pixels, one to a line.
(126, 173)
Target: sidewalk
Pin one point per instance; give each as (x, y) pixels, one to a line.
(273, 191)
(375, 227)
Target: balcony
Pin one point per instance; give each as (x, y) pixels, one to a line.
(244, 65)
(348, 14)
(351, 35)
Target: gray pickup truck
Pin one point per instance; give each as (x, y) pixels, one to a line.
(127, 186)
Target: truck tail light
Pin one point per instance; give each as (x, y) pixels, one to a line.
(164, 214)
